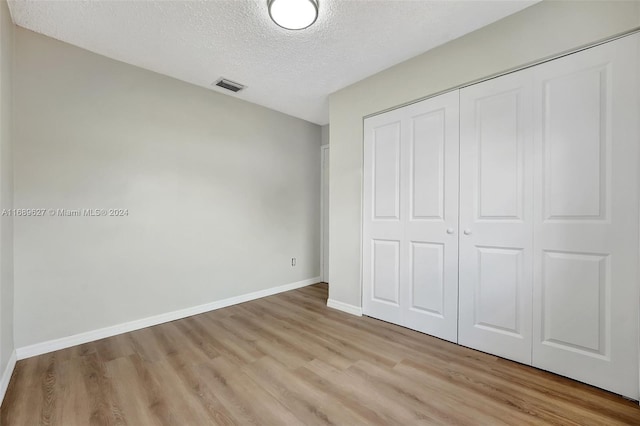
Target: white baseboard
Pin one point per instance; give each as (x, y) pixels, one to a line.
(345, 307)
(90, 336)
(6, 375)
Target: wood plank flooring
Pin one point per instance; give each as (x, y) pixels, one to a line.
(290, 360)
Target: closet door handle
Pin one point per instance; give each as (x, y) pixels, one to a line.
(467, 232)
(450, 231)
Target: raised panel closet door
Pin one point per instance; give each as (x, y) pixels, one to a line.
(496, 223)
(429, 293)
(586, 216)
(383, 216)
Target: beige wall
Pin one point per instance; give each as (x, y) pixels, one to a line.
(221, 193)
(545, 29)
(6, 187)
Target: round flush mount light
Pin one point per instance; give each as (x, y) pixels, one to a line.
(293, 14)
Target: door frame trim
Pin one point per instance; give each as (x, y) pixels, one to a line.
(509, 71)
(323, 148)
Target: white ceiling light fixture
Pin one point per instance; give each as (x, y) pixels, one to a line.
(293, 14)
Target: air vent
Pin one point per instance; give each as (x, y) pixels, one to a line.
(230, 85)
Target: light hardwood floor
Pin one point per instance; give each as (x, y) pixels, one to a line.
(290, 360)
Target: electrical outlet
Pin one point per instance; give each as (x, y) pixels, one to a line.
(293, 262)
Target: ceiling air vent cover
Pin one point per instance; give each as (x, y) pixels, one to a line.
(230, 85)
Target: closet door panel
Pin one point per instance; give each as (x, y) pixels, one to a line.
(383, 217)
(430, 294)
(386, 271)
(586, 216)
(426, 279)
(427, 164)
(410, 246)
(495, 216)
(386, 172)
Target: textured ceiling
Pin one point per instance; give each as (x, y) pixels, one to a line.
(288, 71)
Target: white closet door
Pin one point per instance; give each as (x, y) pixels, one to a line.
(429, 296)
(496, 223)
(383, 216)
(586, 217)
(410, 246)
